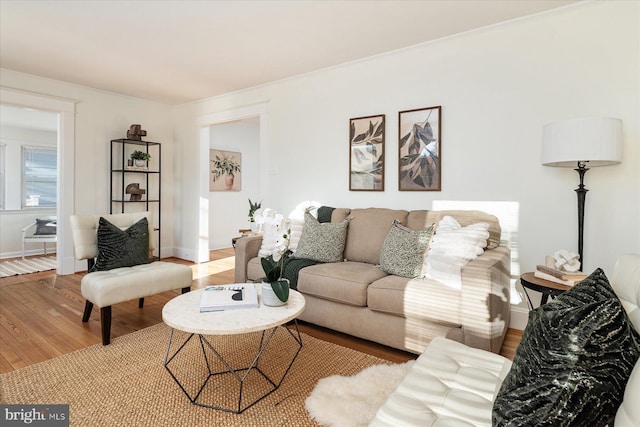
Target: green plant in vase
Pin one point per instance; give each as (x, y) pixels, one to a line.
(140, 158)
(253, 207)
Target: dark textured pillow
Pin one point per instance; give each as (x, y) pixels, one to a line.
(573, 362)
(403, 250)
(322, 242)
(46, 227)
(122, 248)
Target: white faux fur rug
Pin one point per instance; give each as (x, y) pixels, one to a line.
(339, 401)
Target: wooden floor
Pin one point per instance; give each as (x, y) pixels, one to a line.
(40, 316)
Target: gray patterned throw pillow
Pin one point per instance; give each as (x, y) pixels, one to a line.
(322, 242)
(403, 250)
(573, 362)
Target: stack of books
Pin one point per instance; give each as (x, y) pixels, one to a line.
(227, 297)
(558, 276)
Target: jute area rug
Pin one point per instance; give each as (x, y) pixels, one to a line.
(126, 384)
(27, 265)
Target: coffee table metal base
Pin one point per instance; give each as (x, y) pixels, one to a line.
(240, 374)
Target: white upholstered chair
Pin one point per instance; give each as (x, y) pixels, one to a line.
(105, 288)
(32, 233)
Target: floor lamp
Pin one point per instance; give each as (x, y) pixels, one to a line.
(582, 142)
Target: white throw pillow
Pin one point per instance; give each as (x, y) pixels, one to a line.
(297, 221)
(452, 247)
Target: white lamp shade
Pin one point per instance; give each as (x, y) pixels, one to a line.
(596, 141)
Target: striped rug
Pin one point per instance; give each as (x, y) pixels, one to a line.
(25, 266)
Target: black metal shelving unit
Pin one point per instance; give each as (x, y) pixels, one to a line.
(122, 175)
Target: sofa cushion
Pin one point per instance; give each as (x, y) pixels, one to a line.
(573, 362)
(367, 231)
(420, 219)
(416, 299)
(322, 242)
(122, 248)
(403, 250)
(344, 282)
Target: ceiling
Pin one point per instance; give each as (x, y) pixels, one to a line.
(179, 51)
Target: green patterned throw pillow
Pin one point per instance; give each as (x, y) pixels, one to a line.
(122, 248)
(322, 242)
(403, 250)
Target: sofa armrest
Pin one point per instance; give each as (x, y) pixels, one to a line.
(486, 300)
(247, 248)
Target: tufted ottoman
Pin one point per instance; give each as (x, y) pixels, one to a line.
(450, 384)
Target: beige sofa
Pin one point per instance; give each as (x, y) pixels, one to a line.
(358, 298)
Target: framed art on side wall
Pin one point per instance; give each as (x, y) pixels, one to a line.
(225, 172)
(419, 149)
(366, 153)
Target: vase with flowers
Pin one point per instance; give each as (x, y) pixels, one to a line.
(275, 288)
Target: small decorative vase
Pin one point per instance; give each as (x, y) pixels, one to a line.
(140, 163)
(269, 297)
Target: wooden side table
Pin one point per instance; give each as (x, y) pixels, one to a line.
(545, 287)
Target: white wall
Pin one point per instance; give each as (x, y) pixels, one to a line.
(497, 87)
(100, 117)
(229, 210)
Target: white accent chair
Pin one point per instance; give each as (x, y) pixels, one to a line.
(29, 236)
(454, 384)
(105, 288)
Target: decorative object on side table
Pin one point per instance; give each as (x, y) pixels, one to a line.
(275, 289)
(135, 133)
(135, 191)
(366, 153)
(140, 158)
(581, 142)
(419, 149)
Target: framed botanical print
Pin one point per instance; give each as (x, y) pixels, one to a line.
(226, 167)
(419, 149)
(366, 153)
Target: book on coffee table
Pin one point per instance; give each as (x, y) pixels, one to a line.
(228, 297)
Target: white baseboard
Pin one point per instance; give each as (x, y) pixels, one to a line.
(519, 317)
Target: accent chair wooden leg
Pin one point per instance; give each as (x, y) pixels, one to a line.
(105, 320)
(88, 306)
(187, 289)
(141, 303)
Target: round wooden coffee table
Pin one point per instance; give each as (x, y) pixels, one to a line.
(183, 314)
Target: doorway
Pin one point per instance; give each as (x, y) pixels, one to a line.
(256, 113)
(64, 111)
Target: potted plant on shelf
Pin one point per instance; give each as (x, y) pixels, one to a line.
(275, 288)
(226, 166)
(140, 158)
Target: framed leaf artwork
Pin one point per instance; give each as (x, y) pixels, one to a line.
(419, 149)
(366, 153)
(226, 167)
